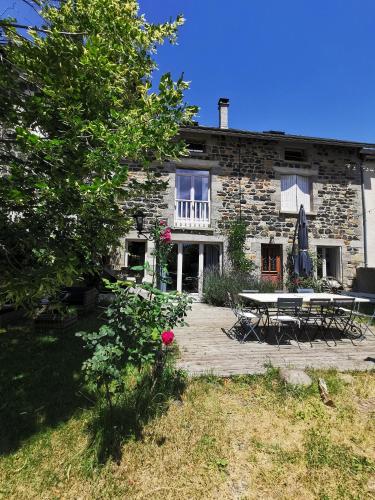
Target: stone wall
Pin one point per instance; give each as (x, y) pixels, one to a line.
(245, 179)
(249, 183)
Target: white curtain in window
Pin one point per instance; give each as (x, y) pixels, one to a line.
(295, 191)
(192, 185)
(303, 192)
(184, 184)
(288, 193)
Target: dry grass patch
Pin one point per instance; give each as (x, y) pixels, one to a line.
(242, 438)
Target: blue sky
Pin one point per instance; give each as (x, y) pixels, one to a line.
(302, 66)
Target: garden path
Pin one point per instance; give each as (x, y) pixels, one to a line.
(205, 348)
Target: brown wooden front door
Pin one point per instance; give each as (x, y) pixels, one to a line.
(271, 268)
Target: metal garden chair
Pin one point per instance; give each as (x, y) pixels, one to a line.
(288, 318)
(342, 318)
(365, 326)
(247, 321)
(314, 317)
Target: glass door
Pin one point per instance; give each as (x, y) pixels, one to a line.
(211, 256)
(190, 267)
(172, 268)
(187, 262)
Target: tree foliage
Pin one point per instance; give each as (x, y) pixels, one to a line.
(77, 107)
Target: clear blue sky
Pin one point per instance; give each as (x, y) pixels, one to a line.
(303, 66)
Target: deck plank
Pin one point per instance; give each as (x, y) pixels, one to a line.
(205, 348)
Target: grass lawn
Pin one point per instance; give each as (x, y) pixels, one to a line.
(245, 437)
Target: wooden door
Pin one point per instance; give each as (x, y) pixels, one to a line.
(271, 267)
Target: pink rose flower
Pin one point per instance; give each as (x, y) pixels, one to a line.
(162, 223)
(166, 235)
(167, 337)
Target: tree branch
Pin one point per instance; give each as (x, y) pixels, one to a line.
(35, 28)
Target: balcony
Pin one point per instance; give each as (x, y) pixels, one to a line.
(192, 214)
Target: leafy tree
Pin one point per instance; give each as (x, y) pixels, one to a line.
(77, 108)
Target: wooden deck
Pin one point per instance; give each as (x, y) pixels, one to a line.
(205, 348)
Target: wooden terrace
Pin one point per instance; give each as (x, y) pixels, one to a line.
(205, 348)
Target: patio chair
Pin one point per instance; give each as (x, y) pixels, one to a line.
(342, 318)
(247, 321)
(365, 326)
(288, 318)
(314, 316)
(273, 309)
(370, 320)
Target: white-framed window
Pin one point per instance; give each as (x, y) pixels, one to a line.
(295, 191)
(192, 197)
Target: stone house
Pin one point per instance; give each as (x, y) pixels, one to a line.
(262, 177)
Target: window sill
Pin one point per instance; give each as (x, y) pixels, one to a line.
(181, 229)
(297, 162)
(198, 154)
(287, 212)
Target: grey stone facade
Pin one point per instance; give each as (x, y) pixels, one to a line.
(245, 171)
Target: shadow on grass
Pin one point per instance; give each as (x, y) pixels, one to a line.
(40, 379)
(144, 400)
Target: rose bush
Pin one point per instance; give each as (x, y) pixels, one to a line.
(137, 326)
(166, 236)
(162, 237)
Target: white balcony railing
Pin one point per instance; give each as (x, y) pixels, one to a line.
(190, 213)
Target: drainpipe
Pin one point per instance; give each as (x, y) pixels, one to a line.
(239, 177)
(364, 217)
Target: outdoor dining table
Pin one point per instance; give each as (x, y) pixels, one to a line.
(270, 299)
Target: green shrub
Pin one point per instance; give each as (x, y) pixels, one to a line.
(132, 335)
(217, 284)
(294, 282)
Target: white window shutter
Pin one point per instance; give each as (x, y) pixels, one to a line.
(303, 193)
(288, 193)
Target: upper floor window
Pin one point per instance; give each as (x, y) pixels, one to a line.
(192, 197)
(295, 191)
(296, 155)
(196, 147)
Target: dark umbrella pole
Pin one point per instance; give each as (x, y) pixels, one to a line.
(302, 264)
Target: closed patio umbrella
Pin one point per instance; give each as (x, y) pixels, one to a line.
(302, 263)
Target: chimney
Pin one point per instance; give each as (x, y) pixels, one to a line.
(223, 105)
